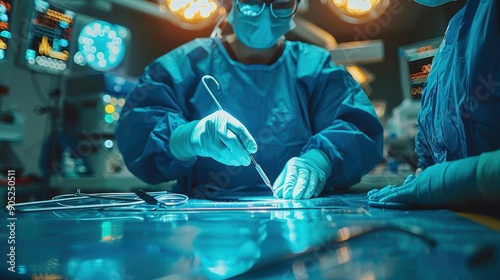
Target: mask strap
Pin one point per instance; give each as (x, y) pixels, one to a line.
(217, 31)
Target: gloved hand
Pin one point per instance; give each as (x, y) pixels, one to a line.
(446, 184)
(304, 176)
(218, 135)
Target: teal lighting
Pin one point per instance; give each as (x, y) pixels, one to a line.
(6, 34)
(109, 118)
(101, 45)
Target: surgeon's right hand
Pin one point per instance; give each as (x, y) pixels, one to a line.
(218, 135)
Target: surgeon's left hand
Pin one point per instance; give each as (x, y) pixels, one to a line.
(446, 184)
(304, 176)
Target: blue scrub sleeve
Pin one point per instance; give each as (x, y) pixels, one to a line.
(143, 132)
(422, 150)
(488, 176)
(346, 128)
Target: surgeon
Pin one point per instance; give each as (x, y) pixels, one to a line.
(306, 121)
(458, 141)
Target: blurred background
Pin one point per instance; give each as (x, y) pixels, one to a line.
(66, 67)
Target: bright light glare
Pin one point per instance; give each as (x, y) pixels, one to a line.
(359, 7)
(108, 144)
(106, 98)
(97, 26)
(110, 109)
(207, 10)
(358, 11)
(90, 57)
(189, 13)
(357, 74)
(356, 7)
(101, 45)
(176, 5)
(192, 10)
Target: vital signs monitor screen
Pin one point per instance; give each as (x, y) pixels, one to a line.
(50, 34)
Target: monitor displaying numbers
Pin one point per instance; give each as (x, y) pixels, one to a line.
(50, 35)
(415, 65)
(5, 22)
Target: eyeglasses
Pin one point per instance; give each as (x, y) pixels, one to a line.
(279, 8)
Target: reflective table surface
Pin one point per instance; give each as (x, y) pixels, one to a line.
(336, 237)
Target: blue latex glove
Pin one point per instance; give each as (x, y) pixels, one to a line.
(446, 184)
(218, 135)
(304, 176)
(388, 188)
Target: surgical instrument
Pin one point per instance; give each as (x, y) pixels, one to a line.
(80, 200)
(257, 166)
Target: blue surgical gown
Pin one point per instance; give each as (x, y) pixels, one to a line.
(460, 114)
(300, 102)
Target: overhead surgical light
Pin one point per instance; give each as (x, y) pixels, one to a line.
(192, 14)
(358, 11)
(101, 45)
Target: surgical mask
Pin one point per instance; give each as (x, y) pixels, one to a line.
(259, 32)
(433, 3)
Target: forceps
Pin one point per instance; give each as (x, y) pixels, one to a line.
(257, 166)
